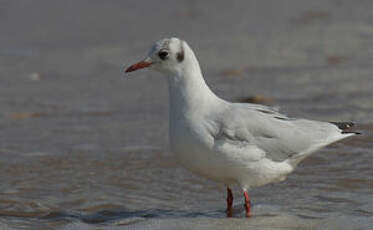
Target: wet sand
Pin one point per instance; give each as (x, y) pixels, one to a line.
(83, 147)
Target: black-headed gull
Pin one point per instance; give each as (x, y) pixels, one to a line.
(231, 143)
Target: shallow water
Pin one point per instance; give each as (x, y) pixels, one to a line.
(82, 147)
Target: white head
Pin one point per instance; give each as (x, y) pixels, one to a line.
(174, 58)
(166, 55)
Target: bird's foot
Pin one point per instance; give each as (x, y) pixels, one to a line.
(247, 204)
(229, 210)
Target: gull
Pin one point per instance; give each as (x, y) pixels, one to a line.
(242, 144)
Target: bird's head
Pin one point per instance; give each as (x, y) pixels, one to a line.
(166, 55)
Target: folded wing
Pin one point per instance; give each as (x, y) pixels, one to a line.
(259, 131)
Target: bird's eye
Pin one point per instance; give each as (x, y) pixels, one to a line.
(163, 54)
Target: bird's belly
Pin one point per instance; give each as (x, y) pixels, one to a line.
(203, 164)
(198, 153)
(198, 158)
(220, 168)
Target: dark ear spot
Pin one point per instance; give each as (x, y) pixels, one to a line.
(180, 54)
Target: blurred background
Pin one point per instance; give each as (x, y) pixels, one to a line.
(83, 146)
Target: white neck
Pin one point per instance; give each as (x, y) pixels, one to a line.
(189, 93)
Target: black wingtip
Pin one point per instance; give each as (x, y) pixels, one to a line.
(344, 126)
(347, 132)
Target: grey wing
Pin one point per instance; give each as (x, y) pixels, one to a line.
(278, 136)
(236, 144)
(290, 138)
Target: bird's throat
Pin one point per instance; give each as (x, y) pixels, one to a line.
(189, 92)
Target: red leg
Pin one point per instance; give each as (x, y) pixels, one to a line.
(247, 204)
(229, 202)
